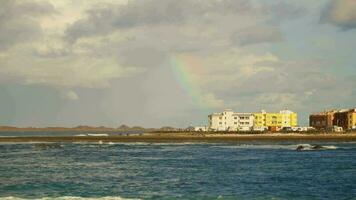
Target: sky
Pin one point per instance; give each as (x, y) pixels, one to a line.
(156, 63)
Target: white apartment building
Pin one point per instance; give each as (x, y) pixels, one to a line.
(231, 121)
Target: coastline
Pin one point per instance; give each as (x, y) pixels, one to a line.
(178, 137)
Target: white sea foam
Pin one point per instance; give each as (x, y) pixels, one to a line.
(256, 146)
(98, 134)
(70, 198)
(161, 143)
(93, 134)
(81, 135)
(309, 147)
(330, 147)
(306, 147)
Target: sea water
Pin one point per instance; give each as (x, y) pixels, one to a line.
(248, 170)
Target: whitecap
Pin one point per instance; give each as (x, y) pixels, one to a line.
(309, 147)
(256, 146)
(81, 135)
(98, 134)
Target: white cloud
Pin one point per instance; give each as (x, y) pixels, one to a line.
(74, 70)
(37, 54)
(70, 95)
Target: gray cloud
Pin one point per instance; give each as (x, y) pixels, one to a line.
(17, 21)
(147, 13)
(257, 34)
(119, 57)
(341, 13)
(283, 11)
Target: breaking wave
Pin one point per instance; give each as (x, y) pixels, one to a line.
(93, 134)
(306, 147)
(309, 147)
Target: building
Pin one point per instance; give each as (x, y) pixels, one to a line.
(200, 128)
(328, 120)
(341, 119)
(345, 118)
(351, 115)
(323, 120)
(275, 121)
(231, 121)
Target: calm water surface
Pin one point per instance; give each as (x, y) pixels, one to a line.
(176, 171)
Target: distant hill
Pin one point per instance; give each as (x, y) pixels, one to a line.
(85, 128)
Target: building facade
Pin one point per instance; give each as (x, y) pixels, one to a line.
(352, 119)
(275, 121)
(230, 121)
(323, 120)
(345, 118)
(341, 119)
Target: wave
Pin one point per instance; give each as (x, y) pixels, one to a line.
(26, 143)
(98, 134)
(70, 198)
(306, 147)
(257, 146)
(309, 147)
(93, 134)
(143, 143)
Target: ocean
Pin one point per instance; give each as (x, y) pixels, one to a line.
(247, 170)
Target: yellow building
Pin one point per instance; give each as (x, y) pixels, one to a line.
(351, 116)
(285, 118)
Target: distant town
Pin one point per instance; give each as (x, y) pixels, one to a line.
(228, 121)
(282, 121)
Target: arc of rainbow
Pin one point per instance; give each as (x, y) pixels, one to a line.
(185, 69)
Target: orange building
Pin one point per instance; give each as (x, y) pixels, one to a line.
(345, 118)
(323, 120)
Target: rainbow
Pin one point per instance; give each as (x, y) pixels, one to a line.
(186, 70)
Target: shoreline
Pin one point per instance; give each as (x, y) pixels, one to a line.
(176, 138)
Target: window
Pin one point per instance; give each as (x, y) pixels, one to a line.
(220, 122)
(220, 117)
(235, 117)
(235, 122)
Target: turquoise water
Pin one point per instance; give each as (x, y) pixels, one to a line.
(176, 171)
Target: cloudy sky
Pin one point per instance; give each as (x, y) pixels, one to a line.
(171, 62)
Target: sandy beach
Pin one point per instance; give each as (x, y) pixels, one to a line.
(179, 137)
